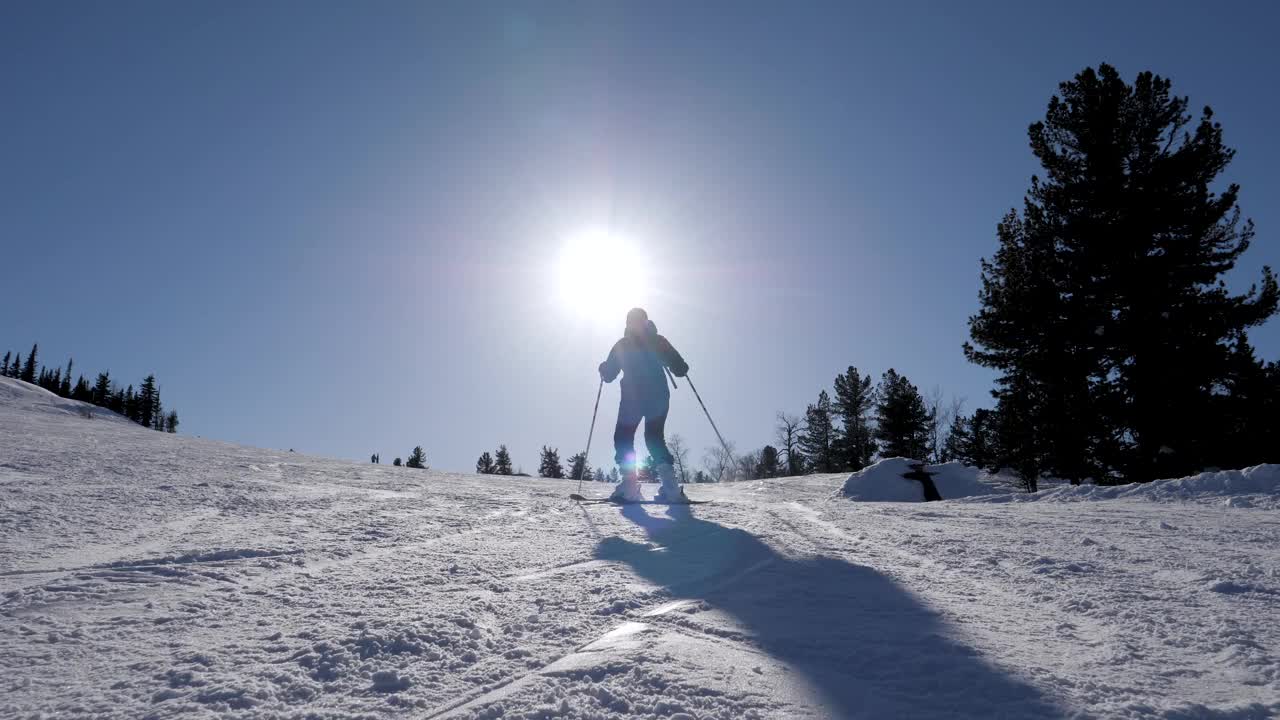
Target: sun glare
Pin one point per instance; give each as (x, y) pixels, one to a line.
(602, 276)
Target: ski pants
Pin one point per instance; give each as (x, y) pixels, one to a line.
(630, 413)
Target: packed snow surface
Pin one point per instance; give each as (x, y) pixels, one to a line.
(146, 575)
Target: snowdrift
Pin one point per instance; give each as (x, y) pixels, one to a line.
(1257, 486)
(20, 395)
(884, 482)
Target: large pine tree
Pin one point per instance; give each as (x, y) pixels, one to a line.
(484, 465)
(818, 438)
(1105, 300)
(854, 401)
(4, 369)
(902, 420)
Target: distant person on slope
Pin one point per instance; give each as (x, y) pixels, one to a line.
(642, 356)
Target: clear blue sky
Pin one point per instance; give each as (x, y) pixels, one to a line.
(333, 226)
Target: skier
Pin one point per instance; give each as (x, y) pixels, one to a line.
(642, 355)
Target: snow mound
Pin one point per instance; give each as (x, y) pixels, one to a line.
(1258, 486)
(884, 482)
(20, 395)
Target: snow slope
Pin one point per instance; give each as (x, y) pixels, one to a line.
(146, 575)
(20, 396)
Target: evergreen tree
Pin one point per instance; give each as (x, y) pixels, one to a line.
(1248, 408)
(171, 422)
(65, 388)
(29, 369)
(502, 461)
(484, 466)
(854, 401)
(902, 422)
(81, 391)
(768, 465)
(818, 438)
(549, 466)
(4, 369)
(578, 468)
(146, 401)
(959, 443)
(984, 450)
(613, 475)
(599, 476)
(396, 462)
(102, 390)
(1018, 429)
(417, 458)
(1105, 301)
(130, 404)
(157, 411)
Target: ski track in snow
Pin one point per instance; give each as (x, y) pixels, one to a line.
(145, 575)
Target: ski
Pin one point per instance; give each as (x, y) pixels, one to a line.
(606, 501)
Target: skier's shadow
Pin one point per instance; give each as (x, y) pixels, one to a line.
(863, 642)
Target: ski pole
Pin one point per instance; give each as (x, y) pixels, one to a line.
(674, 386)
(727, 452)
(587, 453)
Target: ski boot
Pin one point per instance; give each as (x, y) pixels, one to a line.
(670, 492)
(628, 490)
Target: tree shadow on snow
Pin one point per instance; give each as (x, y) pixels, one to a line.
(866, 644)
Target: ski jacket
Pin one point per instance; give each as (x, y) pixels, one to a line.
(641, 359)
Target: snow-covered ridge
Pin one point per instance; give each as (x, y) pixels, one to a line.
(19, 395)
(1258, 486)
(884, 481)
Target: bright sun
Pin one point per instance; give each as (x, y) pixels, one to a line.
(602, 276)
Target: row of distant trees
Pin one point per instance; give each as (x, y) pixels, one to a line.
(577, 467)
(846, 430)
(417, 459)
(143, 406)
